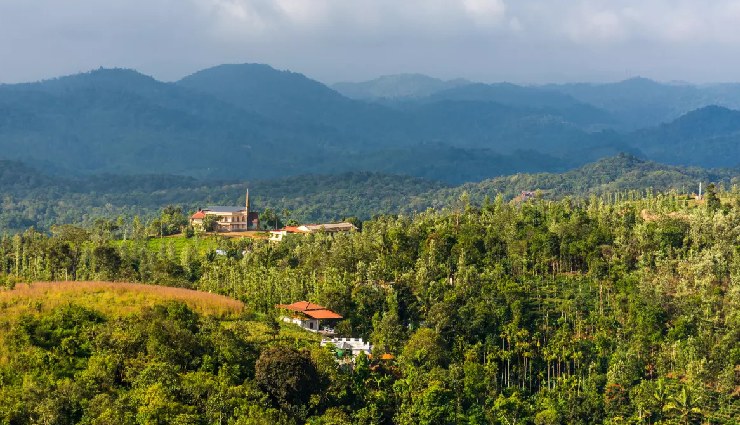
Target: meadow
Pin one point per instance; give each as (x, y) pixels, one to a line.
(110, 298)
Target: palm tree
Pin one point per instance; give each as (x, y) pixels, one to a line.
(683, 407)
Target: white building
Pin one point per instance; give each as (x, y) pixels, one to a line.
(350, 346)
(278, 235)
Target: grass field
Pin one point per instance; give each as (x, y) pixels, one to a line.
(114, 300)
(202, 244)
(110, 298)
(252, 234)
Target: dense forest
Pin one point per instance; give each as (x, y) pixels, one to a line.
(600, 309)
(31, 197)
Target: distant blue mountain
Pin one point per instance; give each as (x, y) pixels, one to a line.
(640, 102)
(397, 87)
(709, 136)
(252, 121)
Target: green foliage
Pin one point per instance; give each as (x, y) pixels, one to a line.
(135, 207)
(597, 310)
(423, 351)
(167, 365)
(713, 202)
(288, 376)
(172, 220)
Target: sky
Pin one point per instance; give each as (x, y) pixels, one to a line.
(521, 41)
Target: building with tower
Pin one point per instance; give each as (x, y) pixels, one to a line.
(228, 219)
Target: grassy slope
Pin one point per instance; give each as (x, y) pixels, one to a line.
(116, 299)
(109, 298)
(179, 242)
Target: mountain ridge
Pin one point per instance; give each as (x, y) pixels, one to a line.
(253, 121)
(396, 86)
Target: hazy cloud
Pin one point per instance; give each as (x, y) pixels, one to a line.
(522, 40)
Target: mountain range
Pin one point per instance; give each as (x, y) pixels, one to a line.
(251, 121)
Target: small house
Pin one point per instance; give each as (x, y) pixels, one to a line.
(328, 227)
(278, 235)
(310, 316)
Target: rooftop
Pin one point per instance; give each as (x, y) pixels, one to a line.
(223, 209)
(328, 227)
(310, 309)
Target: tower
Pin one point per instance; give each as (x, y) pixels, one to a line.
(247, 202)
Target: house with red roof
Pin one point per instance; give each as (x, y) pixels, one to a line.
(309, 316)
(277, 235)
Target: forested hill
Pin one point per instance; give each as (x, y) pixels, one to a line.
(254, 122)
(31, 198)
(401, 86)
(710, 134)
(641, 102)
(632, 104)
(613, 175)
(536, 313)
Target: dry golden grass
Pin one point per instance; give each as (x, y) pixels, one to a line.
(110, 298)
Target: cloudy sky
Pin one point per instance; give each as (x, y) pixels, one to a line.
(337, 40)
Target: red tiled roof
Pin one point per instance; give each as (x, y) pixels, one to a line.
(311, 310)
(199, 214)
(301, 306)
(291, 229)
(322, 314)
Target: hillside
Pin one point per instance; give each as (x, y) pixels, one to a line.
(506, 129)
(253, 122)
(119, 121)
(119, 353)
(291, 98)
(113, 299)
(710, 135)
(246, 121)
(613, 175)
(32, 198)
(640, 102)
(471, 115)
(576, 311)
(396, 87)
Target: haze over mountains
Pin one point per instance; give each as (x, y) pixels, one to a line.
(254, 122)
